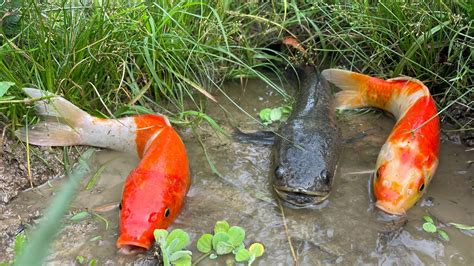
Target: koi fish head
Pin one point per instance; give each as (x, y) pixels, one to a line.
(401, 178)
(146, 206)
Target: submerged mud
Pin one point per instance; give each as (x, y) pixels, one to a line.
(343, 229)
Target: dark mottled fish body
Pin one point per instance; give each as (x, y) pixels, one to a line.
(307, 145)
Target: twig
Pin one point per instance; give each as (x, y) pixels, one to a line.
(293, 254)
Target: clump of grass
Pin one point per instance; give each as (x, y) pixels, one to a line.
(117, 59)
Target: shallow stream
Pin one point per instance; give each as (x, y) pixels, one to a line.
(344, 229)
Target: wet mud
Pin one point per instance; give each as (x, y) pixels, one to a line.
(344, 229)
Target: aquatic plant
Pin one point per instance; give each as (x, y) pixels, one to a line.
(270, 115)
(172, 245)
(228, 239)
(430, 227)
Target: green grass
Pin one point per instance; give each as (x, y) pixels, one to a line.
(170, 56)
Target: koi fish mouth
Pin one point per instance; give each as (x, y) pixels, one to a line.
(389, 209)
(131, 247)
(301, 197)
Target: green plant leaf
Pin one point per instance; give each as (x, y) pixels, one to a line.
(428, 219)
(183, 261)
(160, 233)
(204, 243)
(429, 227)
(462, 226)
(80, 259)
(242, 255)
(223, 248)
(265, 114)
(79, 216)
(238, 248)
(219, 237)
(4, 86)
(286, 110)
(221, 226)
(92, 262)
(275, 114)
(213, 256)
(256, 249)
(20, 241)
(182, 240)
(175, 256)
(443, 234)
(236, 235)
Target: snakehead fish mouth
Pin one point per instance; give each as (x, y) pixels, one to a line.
(301, 197)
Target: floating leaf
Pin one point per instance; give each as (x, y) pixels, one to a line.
(429, 227)
(181, 236)
(443, 235)
(79, 216)
(95, 238)
(275, 114)
(221, 226)
(80, 259)
(160, 233)
(213, 256)
(462, 226)
(219, 237)
(92, 262)
(223, 248)
(256, 249)
(286, 110)
(237, 249)
(183, 261)
(179, 254)
(428, 219)
(204, 243)
(4, 86)
(236, 235)
(265, 114)
(242, 255)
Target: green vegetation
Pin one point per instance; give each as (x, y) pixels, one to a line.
(172, 245)
(170, 56)
(228, 239)
(270, 115)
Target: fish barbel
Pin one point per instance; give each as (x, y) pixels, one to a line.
(154, 191)
(409, 157)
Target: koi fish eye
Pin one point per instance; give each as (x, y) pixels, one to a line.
(167, 212)
(422, 187)
(120, 206)
(378, 173)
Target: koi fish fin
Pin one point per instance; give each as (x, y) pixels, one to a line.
(352, 85)
(66, 122)
(49, 134)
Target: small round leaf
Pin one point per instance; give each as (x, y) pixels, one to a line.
(256, 249)
(181, 236)
(223, 248)
(213, 256)
(219, 237)
(160, 233)
(443, 235)
(221, 226)
(275, 114)
(429, 227)
(428, 219)
(184, 260)
(265, 114)
(242, 255)
(236, 235)
(204, 243)
(176, 256)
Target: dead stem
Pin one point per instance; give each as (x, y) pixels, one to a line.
(293, 254)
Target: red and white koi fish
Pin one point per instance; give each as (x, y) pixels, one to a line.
(409, 157)
(154, 192)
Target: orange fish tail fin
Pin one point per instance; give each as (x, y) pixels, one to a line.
(353, 87)
(62, 125)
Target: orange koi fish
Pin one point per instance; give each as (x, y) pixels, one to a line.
(409, 157)
(154, 192)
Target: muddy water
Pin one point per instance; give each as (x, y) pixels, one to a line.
(344, 229)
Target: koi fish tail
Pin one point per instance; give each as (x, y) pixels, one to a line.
(62, 125)
(353, 85)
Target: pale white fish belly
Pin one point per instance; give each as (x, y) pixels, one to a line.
(114, 134)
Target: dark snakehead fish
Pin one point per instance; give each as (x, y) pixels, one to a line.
(307, 145)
